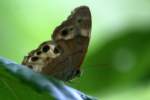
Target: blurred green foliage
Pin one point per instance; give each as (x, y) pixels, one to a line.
(11, 89)
(119, 53)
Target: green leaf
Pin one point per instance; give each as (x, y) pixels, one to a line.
(20, 83)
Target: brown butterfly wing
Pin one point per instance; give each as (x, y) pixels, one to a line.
(79, 20)
(67, 66)
(63, 56)
(72, 36)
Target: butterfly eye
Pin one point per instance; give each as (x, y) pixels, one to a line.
(64, 32)
(34, 58)
(45, 48)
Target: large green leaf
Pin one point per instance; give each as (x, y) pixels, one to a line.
(20, 83)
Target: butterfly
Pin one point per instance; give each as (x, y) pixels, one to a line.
(62, 56)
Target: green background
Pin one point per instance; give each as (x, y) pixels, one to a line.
(117, 65)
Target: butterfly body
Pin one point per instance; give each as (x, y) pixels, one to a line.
(63, 55)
